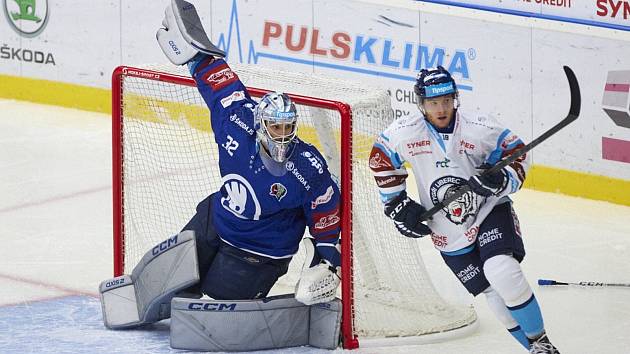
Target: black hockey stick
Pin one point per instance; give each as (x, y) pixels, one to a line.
(582, 283)
(574, 112)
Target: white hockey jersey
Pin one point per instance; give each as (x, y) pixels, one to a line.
(440, 164)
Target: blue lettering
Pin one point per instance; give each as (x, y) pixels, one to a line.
(386, 55)
(164, 245)
(423, 60)
(407, 56)
(360, 48)
(459, 64)
(114, 282)
(210, 306)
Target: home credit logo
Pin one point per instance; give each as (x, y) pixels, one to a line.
(616, 104)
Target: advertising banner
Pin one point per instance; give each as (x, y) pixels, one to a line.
(508, 66)
(599, 12)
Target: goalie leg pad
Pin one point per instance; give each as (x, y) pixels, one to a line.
(118, 303)
(166, 269)
(325, 325)
(245, 325)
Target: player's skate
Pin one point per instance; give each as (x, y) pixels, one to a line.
(542, 346)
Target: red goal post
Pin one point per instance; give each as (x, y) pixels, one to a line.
(159, 121)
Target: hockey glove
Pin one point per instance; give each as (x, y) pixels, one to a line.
(183, 36)
(406, 215)
(489, 184)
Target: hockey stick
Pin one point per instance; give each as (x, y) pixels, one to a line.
(574, 112)
(582, 283)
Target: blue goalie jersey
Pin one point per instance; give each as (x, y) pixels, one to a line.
(257, 210)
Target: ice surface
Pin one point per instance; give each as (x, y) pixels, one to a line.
(55, 229)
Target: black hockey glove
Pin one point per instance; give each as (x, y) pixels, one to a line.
(489, 184)
(406, 215)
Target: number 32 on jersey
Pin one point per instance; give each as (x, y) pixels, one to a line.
(230, 145)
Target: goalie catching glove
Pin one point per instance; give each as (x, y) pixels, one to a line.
(318, 283)
(406, 215)
(183, 36)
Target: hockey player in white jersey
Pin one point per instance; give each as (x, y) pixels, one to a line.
(478, 235)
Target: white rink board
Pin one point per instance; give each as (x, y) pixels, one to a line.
(501, 62)
(602, 11)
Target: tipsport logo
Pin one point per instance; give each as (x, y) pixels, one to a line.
(344, 51)
(27, 17)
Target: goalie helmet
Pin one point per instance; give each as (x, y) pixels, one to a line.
(275, 121)
(433, 83)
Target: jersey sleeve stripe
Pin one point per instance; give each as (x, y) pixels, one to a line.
(385, 197)
(392, 155)
(497, 153)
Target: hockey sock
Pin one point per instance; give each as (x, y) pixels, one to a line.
(529, 317)
(506, 277)
(520, 336)
(500, 310)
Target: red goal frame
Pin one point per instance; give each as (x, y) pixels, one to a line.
(350, 340)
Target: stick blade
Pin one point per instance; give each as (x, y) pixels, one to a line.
(576, 98)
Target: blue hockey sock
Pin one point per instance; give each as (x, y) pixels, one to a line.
(528, 316)
(520, 336)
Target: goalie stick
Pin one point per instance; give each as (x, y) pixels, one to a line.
(574, 112)
(582, 283)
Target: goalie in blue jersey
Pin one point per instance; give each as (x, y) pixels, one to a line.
(274, 184)
(243, 236)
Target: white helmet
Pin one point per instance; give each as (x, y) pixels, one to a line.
(274, 109)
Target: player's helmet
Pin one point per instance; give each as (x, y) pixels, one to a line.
(275, 109)
(435, 83)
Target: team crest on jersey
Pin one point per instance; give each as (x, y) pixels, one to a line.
(239, 198)
(460, 209)
(278, 190)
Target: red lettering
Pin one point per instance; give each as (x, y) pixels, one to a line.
(314, 49)
(342, 42)
(417, 144)
(271, 30)
(289, 39)
(467, 145)
(602, 10)
(615, 9)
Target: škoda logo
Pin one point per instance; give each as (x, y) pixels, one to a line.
(27, 17)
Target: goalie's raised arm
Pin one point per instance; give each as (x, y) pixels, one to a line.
(183, 36)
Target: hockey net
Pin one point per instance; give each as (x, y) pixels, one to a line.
(165, 161)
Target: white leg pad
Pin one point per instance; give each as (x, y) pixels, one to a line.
(166, 269)
(246, 325)
(118, 302)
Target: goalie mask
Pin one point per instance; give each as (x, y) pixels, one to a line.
(432, 83)
(275, 121)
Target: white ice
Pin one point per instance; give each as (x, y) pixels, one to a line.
(56, 235)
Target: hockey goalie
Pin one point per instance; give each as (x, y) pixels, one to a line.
(212, 279)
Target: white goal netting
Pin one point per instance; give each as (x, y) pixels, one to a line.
(169, 164)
